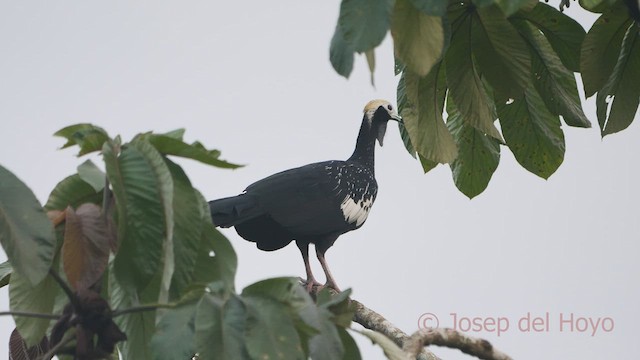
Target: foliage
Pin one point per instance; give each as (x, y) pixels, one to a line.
(494, 62)
(128, 258)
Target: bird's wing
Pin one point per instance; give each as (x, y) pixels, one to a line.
(304, 200)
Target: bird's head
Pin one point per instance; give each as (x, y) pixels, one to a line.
(378, 113)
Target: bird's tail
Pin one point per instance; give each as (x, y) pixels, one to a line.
(233, 210)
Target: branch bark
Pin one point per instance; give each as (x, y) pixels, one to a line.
(479, 348)
(414, 345)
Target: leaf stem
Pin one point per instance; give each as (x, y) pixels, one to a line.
(141, 308)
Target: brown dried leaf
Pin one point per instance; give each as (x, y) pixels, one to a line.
(85, 251)
(18, 348)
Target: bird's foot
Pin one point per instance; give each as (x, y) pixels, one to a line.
(332, 285)
(309, 284)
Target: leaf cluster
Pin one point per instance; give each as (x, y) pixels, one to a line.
(129, 257)
(477, 76)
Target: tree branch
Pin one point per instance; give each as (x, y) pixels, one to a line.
(31, 315)
(450, 338)
(414, 344)
(376, 322)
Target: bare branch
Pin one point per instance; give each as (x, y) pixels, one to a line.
(31, 315)
(450, 338)
(376, 322)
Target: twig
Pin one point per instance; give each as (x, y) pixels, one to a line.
(141, 308)
(32, 315)
(450, 338)
(65, 340)
(73, 299)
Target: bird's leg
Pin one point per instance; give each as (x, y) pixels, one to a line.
(321, 249)
(304, 250)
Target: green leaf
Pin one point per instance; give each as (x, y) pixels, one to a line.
(402, 103)
(500, 52)
(427, 165)
(371, 62)
(533, 134)
(554, 82)
(327, 343)
(176, 134)
(89, 172)
(175, 336)
(34, 299)
(510, 7)
(341, 54)
(351, 351)
(167, 145)
(431, 7)
(72, 191)
(270, 331)
(623, 86)
(187, 231)
(225, 260)
(465, 86)
(283, 289)
(26, 233)
(364, 23)
(601, 48)
(597, 6)
(5, 273)
(478, 155)
(88, 137)
(418, 38)
(220, 328)
(564, 33)
(139, 326)
(391, 350)
(422, 116)
(142, 188)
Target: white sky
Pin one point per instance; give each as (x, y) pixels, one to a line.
(253, 80)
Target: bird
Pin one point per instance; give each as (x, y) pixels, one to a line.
(311, 204)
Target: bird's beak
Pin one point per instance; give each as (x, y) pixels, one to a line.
(397, 118)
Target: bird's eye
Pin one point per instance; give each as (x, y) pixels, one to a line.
(389, 107)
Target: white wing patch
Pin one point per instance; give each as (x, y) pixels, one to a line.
(356, 212)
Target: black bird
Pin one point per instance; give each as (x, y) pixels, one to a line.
(315, 203)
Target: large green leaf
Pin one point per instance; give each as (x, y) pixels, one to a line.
(88, 137)
(174, 338)
(341, 54)
(391, 350)
(501, 54)
(422, 116)
(622, 90)
(431, 7)
(564, 33)
(327, 343)
(26, 233)
(37, 299)
(168, 145)
(601, 47)
(270, 332)
(478, 155)
(187, 232)
(554, 82)
(139, 326)
(402, 103)
(418, 38)
(89, 172)
(142, 187)
(509, 7)
(364, 23)
(220, 328)
(72, 191)
(533, 134)
(465, 86)
(351, 351)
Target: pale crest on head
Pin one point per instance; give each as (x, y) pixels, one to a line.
(373, 105)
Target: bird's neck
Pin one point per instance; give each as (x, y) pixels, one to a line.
(365, 145)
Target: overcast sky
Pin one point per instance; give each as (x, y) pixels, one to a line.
(253, 80)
